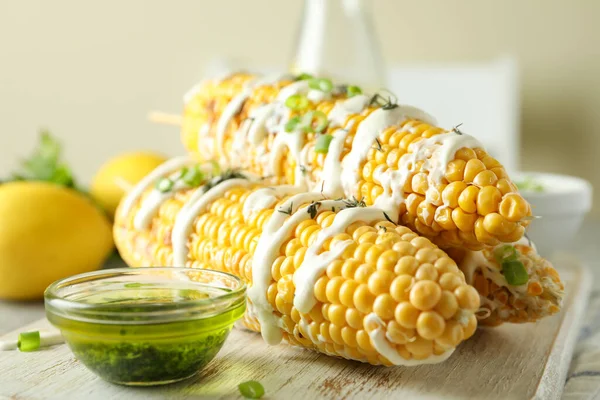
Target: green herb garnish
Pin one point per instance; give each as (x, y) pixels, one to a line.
(505, 253)
(251, 389)
(313, 208)
(292, 124)
(388, 103)
(456, 130)
(46, 164)
(388, 218)
(297, 102)
(353, 91)
(322, 84)
(322, 143)
(225, 176)
(303, 77)
(378, 146)
(515, 272)
(164, 185)
(353, 202)
(193, 177)
(29, 341)
(287, 211)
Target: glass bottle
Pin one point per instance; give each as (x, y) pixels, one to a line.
(336, 39)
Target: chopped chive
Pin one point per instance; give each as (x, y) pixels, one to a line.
(322, 143)
(297, 102)
(193, 177)
(251, 389)
(29, 341)
(319, 121)
(322, 84)
(505, 253)
(181, 173)
(164, 185)
(515, 273)
(353, 91)
(216, 168)
(303, 77)
(292, 124)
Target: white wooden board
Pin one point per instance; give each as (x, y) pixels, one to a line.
(509, 362)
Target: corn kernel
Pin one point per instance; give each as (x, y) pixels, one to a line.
(467, 297)
(430, 325)
(406, 315)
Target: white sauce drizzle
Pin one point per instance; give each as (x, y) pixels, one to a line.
(166, 168)
(343, 109)
(317, 96)
(384, 348)
(152, 203)
(332, 168)
(229, 112)
(368, 130)
(275, 232)
(266, 197)
(257, 131)
(190, 210)
(314, 264)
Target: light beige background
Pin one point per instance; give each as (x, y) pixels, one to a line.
(91, 70)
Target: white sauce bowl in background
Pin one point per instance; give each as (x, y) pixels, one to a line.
(561, 204)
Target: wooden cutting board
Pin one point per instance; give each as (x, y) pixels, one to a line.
(509, 362)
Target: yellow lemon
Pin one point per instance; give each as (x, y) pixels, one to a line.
(111, 181)
(48, 232)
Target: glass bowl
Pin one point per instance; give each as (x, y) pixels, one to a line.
(146, 326)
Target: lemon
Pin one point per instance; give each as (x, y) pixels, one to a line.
(48, 232)
(111, 181)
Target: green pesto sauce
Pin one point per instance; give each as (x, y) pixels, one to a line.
(146, 353)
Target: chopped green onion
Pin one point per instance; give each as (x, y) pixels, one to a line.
(319, 121)
(292, 124)
(297, 102)
(193, 177)
(303, 76)
(505, 253)
(353, 91)
(322, 84)
(251, 389)
(164, 185)
(29, 341)
(181, 173)
(322, 143)
(216, 168)
(515, 273)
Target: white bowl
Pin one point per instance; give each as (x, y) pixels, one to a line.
(561, 206)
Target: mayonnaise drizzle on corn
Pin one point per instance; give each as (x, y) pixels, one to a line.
(138, 190)
(276, 230)
(314, 264)
(381, 344)
(190, 210)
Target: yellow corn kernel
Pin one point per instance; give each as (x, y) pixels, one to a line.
(513, 207)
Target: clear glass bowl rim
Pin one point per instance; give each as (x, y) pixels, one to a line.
(148, 312)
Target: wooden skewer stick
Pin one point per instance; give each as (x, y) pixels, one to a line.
(160, 117)
(123, 184)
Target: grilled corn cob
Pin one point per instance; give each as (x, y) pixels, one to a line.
(334, 276)
(310, 132)
(537, 296)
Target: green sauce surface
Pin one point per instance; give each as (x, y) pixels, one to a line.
(134, 350)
